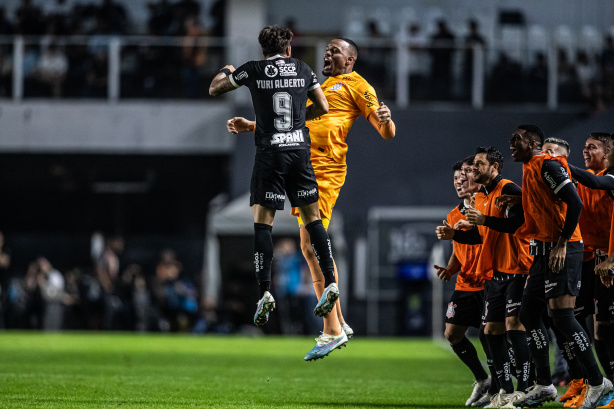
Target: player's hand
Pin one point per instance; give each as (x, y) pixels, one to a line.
(383, 113)
(507, 200)
(474, 216)
(230, 67)
(607, 281)
(463, 224)
(445, 232)
(603, 268)
(557, 257)
(238, 124)
(443, 273)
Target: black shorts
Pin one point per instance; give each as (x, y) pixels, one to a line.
(585, 302)
(465, 308)
(543, 283)
(503, 296)
(604, 297)
(276, 174)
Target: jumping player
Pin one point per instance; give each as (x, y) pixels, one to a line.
(280, 86)
(350, 96)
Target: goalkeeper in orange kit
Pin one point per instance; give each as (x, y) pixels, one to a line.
(349, 96)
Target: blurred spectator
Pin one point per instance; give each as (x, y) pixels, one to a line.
(194, 56)
(537, 79)
(52, 68)
(566, 73)
(372, 61)
(6, 27)
(472, 39)
(114, 16)
(160, 19)
(218, 13)
(505, 84)
(29, 19)
(418, 65)
(73, 317)
(6, 73)
(51, 284)
(5, 265)
(586, 72)
(442, 51)
(607, 69)
(107, 271)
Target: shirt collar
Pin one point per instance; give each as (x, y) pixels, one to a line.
(492, 186)
(275, 56)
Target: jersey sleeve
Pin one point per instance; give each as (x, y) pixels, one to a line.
(554, 175)
(241, 75)
(314, 80)
(365, 98)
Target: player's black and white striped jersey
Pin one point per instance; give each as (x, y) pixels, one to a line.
(279, 88)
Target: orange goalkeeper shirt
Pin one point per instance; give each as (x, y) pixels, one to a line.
(349, 96)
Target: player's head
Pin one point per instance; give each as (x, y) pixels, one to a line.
(467, 168)
(460, 180)
(526, 142)
(594, 151)
(340, 56)
(275, 40)
(487, 165)
(555, 147)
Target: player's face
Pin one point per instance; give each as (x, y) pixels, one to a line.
(483, 171)
(554, 149)
(594, 153)
(336, 58)
(609, 154)
(460, 183)
(520, 144)
(472, 187)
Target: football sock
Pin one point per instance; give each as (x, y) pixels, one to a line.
(263, 256)
(500, 357)
(565, 321)
(522, 357)
(531, 311)
(573, 364)
(322, 249)
(512, 356)
(467, 353)
(604, 348)
(494, 383)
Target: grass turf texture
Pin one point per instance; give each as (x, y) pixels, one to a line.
(83, 370)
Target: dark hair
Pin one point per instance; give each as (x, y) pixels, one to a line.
(558, 141)
(469, 160)
(602, 137)
(353, 46)
(274, 40)
(534, 131)
(492, 156)
(457, 166)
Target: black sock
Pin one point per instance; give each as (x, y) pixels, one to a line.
(610, 344)
(565, 321)
(573, 364)
(522, 357)
(263, 256)
(467, 353)
(322, 249)
(494, 383)
(604, 348)
(500, 357)
(531, 311)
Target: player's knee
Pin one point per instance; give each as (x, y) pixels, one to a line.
(451, 337)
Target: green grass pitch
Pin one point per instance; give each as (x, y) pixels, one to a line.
(98, 370)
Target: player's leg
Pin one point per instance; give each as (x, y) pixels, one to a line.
(331, 321)
(263, 257)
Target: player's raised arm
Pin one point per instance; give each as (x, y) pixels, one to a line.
(381, 119)
(221, 82)
(319, 106)
(239, 125)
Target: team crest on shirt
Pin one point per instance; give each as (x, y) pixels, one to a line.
(336, 87)
(271, 71)
(451, 310)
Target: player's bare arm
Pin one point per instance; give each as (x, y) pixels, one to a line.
(319, 104)
(507, 200)
(604, 267)
(453, 267)
(221, 83)
(381, 119)
(239, 125)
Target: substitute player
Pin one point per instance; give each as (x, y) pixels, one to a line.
(552, 209)
(349, 96)
(280, 86)
(467, 301)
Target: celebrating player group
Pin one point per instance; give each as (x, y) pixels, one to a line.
(531, 259)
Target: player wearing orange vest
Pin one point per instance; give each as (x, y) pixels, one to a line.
(552, 209)
(598, 187)
(504, 259)
(467, 301)
(349, 96)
